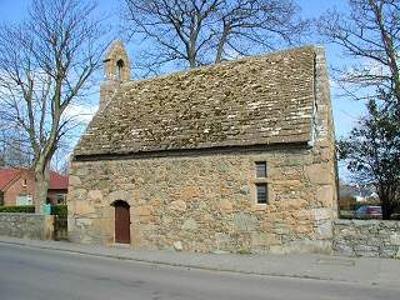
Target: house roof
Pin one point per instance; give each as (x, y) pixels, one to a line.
(57, 181)
(7, 176)
(259, 100)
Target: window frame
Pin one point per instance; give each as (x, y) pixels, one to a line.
(264, 173)
(261, 180)
(263, 201)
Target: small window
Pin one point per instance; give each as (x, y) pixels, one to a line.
(60, 198)
(262, 193)
(261, 169)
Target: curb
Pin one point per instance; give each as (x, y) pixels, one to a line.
(168, 264)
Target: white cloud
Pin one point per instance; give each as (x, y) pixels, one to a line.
(81, 113)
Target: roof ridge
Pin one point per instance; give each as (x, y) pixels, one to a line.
(216, 65)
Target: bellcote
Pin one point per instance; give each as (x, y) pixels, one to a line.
(116, 63)
(117, 69)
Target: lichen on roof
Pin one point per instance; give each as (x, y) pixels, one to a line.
(259, 100)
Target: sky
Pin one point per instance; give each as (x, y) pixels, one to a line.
(346, 112)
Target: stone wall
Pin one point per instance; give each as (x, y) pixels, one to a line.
(207, 202)
(28, 226)
(367, 238)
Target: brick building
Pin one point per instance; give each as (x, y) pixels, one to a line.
(236, 157)
(17, 187)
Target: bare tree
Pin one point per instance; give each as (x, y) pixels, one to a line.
(369, 32)
(61, 158)
(200, 32)
(46, 64)
(14, 151)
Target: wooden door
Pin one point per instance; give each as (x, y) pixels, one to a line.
(122, 223)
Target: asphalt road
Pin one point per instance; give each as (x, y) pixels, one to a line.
(28, 273)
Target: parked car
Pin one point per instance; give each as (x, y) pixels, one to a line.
(395, 216)
(369, 212)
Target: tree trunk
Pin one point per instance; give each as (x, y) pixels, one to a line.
(41, 187)
(221, 43)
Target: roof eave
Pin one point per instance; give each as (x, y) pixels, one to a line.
(305, 144)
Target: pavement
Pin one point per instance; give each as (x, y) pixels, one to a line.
(367, 271)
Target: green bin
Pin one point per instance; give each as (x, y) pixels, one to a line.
(47, 209)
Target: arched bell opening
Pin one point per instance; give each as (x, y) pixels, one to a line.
(120, 67)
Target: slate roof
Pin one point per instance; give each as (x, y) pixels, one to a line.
(260, 100)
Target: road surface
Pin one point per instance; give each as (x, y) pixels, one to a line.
(30, 274)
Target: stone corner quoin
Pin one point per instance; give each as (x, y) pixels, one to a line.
(181, 151)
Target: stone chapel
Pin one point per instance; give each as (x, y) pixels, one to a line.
(236, 157)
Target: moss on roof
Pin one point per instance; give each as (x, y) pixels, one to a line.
(258, 100)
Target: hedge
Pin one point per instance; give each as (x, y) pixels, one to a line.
(59, 210)
(27, 209)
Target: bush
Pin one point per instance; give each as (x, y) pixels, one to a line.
(59, 210)
(346, 214)
(26, 209)
(347, 203)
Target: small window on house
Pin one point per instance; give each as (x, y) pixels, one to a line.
(261, 169)
(262, 193)
(24, 184)
(60, 198)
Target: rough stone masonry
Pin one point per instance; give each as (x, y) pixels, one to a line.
(182, 151)
(374, 238)
(27, 226)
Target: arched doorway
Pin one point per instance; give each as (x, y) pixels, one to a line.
(122, 222)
